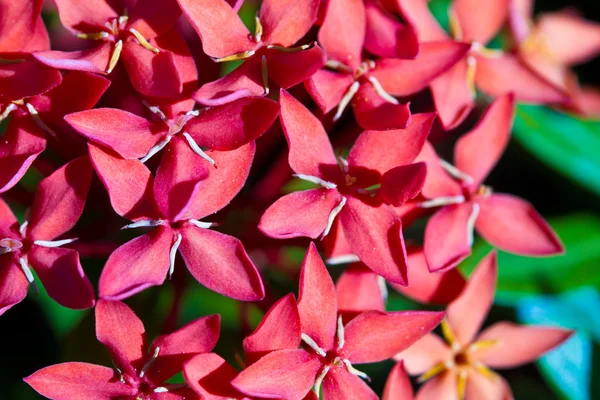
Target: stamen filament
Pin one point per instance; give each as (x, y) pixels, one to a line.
(471, 223)
(455, 28)
(442, 201)
(338, 66)
(9, 245)
(332, 216)
(9, 108)
(340, 333)
(355, 371)
(455, 172)
(345, 259)
(461, 384)
(28, 274)
(291, 49)
(54, 243)
(114, 58)
(155, 110)
(201, 224)
(158, 147)
(258, 31)
(313, 345)
(482, 344)
(433, 371)
(319, 380)
(316, 181)
(142, 40)
(38, 121)
(144, 224)
(484, 370)
(149, 363)
(173, 254)
(93, 36)
(448, 333)
(265, 75)
(382, 288)
(194, 146)
(352, 90)
(23, 228)
(235, 57)
(471, 72)
(381, 91)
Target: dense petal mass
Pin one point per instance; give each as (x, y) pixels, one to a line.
(19, 25)
(76, 380)
(154, 17)
(339, 384)
(80, 16)
(317, 300)
(512, 224)
(287, 21)
(136, 265)
(220, 263)
(297, 214)
(62, 276)
(343, 32)
(517, 345)
(375, 336)
(443, 386)
(327, 88)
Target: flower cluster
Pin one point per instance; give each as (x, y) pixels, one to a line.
(136, 122)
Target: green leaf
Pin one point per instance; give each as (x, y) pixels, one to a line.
(440, 9)
(565, 143)
(520, 276)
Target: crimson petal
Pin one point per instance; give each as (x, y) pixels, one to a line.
(289, 69)
(342, 34)
(93, 60)
(287, 21)
(339, 384)
(13, 284)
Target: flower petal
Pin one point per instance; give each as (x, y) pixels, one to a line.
(80, 16)
(310, 149)
(424, 354)
(287, 374)
(438, 183)
(59, 200)
(339, 384)
(483, 27)
(222, 31)
(136, 265)
(122, 333)
(289, 69)
(19, 25)
(452, 95)
(327, 88)
(342, 34)
(398, 386)
(210, 376)
(279, 329)
(303, 213)
(94, 59)
(518, 345)
(384, 150)
(493, 387)
(403, 183)
(8, 221)
(220, 263)
(388, 37)
(512, 224)
(13, 284)
(177, 348)
(287, 21)
(449, 236)
(62, 276)
(358, 289)
(434, 59)
(478, 151)
(75, 380)
(375, 236)
(417, 13)
(441, 387)
(154, 17)
(233, 125)
(25, 79)
(375, 336)
(375, 113)
(468, 311)
(128, 183)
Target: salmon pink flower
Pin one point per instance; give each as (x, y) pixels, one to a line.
(268, 52)
(494, 72)
(140, 372)
(505, 221)
(144, 40)
(331, 347)
(57, 206)
(461, 368)
(173, 204)
(371, 86)
(371, 227)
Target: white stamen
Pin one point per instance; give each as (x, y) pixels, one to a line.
(316, 181)
(201, 224)
(382, 288)
(148, 364)
(158, 147)
(319, 380)
(53, 243)
(338, 66)
(144, 224)
(9, 108)
(471, 223)
(345, 259)
(23, 228)
(343, 164)
(332, 216)
(346, 100)
(313, 345)
(381, 91)
(354, 371)
(121, 376)
(123, 19)
(161, 389)
(455, 172)
(340, 333)
(155, 110)
(194, 146)
(442, 201)
(36, 118)
(173, 254)
(28, 274)
(193, 113)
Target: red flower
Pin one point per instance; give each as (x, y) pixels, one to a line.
(144, 39)
(331, 347)
(494, 72)
(460, 369)
(372, 228)
(398, 385)
(370, 85)
(505, 221)
(183, 192)
(139, 372)
(279, 24)
(21, 27)
(57, 206)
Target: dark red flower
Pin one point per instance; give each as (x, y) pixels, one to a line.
(57, 206)
(140, 372)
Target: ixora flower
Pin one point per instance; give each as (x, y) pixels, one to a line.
(460, 369)
(57, 206)
(370, 85)
(21, 27)
(37, 101)
(372, 228)
(507, 222)
(268, 53)
(331, 348)
(398, 386)
(220, 128)
(183, 192)
(494, 72)
(139, 371)
(143, 40)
